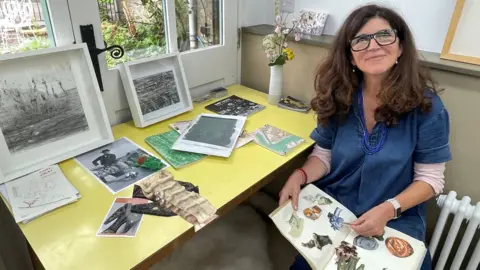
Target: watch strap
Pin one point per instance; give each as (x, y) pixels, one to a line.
(396, 206)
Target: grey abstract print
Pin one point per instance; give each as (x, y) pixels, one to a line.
(39, 105)
(156, 91)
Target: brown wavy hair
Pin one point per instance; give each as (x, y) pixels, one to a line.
(402, 91)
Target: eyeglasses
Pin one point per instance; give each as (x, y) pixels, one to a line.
(383, 38)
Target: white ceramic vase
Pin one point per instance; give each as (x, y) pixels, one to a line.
(276, 84)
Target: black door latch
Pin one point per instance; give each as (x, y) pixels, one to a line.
(88, 37)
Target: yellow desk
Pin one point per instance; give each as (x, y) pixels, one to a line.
(66, 238)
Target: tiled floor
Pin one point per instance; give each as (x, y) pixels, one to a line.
(244, 239)
(280, 250)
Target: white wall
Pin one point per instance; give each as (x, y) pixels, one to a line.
(428, 19)
(253, 12)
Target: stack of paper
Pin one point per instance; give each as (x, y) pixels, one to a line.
(38, 193)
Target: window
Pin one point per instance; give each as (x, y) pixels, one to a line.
(139, 26)
(204, 17)
(24, 26)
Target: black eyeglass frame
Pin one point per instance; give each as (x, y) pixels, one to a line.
(372, 36)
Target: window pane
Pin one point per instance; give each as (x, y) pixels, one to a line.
(138, 26)
(24, 26)
(198, 23)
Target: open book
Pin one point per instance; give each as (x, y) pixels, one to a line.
(318, 232)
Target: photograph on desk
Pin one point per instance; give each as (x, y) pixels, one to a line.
(211, 134)
(234, 105)
(120, 164)
(276, 140)
(180, 126)
(120, 221)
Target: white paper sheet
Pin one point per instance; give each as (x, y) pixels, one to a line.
(3, 191)
(40, 192)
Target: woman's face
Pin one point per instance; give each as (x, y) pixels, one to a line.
(376, 59)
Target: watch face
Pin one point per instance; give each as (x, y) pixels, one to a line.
(398, 212)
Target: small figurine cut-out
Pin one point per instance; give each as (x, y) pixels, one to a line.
(335, 220)
(398, 247)
(319, 199)
(347, 257)
(318, 241)
(297, 225)
(312, 213)
(368, 243)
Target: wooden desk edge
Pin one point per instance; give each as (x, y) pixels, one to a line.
(182, 239)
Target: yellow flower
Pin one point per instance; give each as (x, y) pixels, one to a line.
(289, 53)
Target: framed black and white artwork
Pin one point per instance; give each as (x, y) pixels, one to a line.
(156, 89)
(51, 109)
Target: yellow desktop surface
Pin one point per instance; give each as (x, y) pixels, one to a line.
(66, 238)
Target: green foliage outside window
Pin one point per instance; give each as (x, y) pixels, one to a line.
(148, 37)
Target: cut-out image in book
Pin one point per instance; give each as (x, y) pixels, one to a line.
(327, 241)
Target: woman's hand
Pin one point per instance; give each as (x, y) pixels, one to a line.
(373, 222)
(291, 189)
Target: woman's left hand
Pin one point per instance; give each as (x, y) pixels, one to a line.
(373, 222)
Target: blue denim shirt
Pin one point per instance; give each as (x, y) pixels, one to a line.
(361, 181)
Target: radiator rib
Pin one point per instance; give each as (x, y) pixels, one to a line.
(462, 210)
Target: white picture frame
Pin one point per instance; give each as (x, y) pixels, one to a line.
(186, 141)
(54, 94)
(169, 99)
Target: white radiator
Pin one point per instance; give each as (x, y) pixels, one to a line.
(462, 210)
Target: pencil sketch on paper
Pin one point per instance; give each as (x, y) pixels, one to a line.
(39, 189)
(156, 91)
(39, 105)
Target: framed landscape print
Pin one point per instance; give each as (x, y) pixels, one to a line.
(156, 89)
(51, 109)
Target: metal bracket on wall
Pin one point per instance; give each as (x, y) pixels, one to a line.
(88, 37)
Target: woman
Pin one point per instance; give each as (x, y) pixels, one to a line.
(382, 134)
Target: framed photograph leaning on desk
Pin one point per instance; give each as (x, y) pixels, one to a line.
(156, 89)
(51, 109)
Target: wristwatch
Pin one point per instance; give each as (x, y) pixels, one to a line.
(396, 206)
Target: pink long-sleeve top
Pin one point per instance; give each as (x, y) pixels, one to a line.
(432, 174)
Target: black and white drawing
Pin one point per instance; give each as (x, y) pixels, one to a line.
(117, 165)
(39, 105)
(156, 91)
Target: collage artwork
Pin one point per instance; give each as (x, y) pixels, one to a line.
(320, 230)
